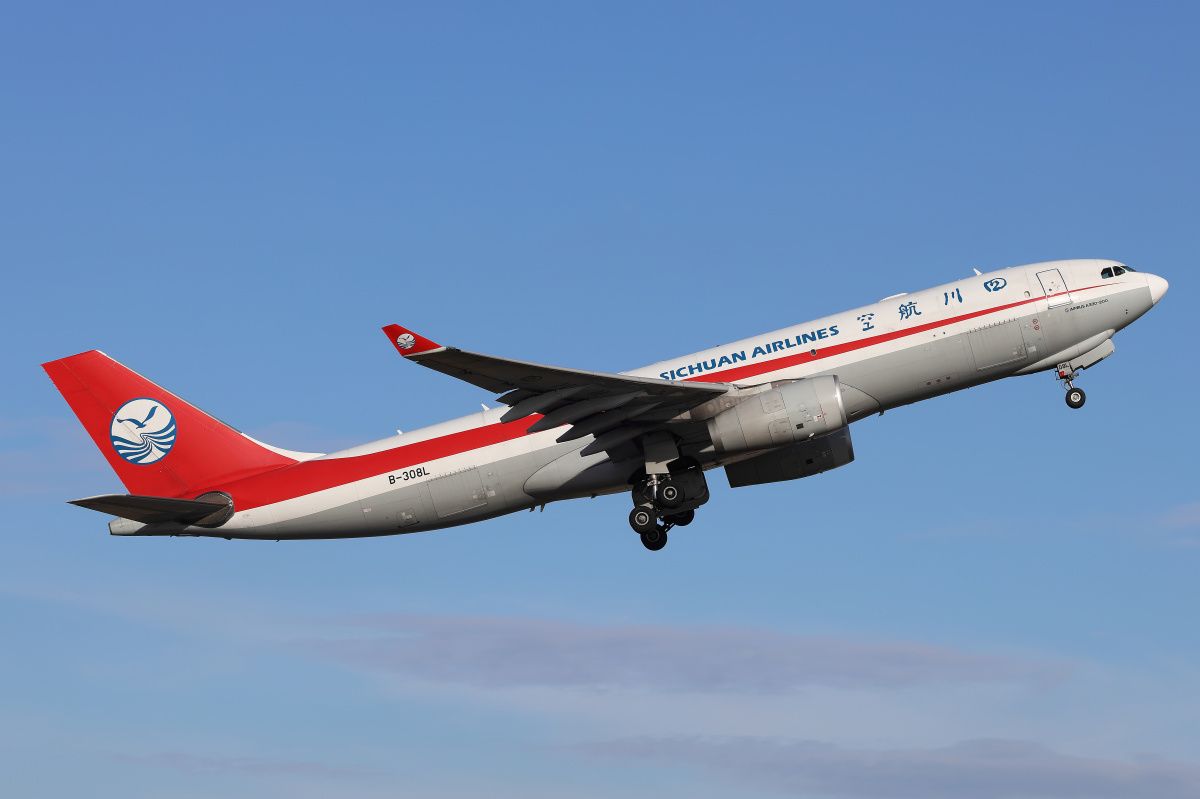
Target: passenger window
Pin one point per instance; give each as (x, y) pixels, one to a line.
(1106, 272)
(1118, 270)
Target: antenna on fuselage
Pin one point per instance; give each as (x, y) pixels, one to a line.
(977, 272)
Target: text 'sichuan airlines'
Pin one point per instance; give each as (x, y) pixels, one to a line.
(774, 407)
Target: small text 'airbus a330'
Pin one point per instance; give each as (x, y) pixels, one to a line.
(773, 407)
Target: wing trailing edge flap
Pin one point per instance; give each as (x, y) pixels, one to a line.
(595, 401)
(537, 403)
(616, 437)
(602, 422)
(152, 510)
(574, 411)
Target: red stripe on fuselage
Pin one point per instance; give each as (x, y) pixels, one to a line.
(309, 477)
(739, 373)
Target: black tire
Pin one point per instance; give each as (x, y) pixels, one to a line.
(681, 519)
(669, 495)
(654, 540)
(1076, 397)
(643, 520)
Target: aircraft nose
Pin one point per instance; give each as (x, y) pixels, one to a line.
(1158, 287)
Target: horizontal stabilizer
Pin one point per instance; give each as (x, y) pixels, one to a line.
(149, 510)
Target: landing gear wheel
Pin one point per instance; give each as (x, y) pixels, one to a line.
(1076, 397)
(643, 521)
(655, 539)
(669, 495)
(681, 519)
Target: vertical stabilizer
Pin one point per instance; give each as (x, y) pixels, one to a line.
(157, 444)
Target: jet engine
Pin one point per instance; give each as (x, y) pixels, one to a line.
(791, 463)
(796, 412)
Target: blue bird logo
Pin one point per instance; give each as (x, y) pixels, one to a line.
(142, 423)
(143, 431)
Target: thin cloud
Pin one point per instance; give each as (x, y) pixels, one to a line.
(1178, 526)
(521, 652)
(982, 769)
(1175, 526)
(200, 765)
(1183, 517)
(48, 454)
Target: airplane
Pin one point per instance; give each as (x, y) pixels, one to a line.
(769, 408)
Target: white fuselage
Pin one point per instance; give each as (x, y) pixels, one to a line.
(896, 351)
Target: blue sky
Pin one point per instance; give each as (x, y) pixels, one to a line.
(997, 599)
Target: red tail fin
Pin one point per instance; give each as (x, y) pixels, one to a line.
(157, 444)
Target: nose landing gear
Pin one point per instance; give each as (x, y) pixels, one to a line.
(1065, 375)
(1067, 371)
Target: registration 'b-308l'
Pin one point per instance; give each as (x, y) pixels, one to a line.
(774, 407)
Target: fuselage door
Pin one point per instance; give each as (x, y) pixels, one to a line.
(1055, 287)
(457, 492)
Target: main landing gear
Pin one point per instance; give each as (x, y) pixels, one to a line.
(1066, 375)
(653, 530)
(667, 499)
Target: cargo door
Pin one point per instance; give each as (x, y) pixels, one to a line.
(997, 346)
(457, 492)
(1054, 287)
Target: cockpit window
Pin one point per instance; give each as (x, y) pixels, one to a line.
(1106, 272)
(1118, 270)
(1130, 269)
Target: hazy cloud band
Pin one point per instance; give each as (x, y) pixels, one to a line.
(982, 769)
(512, 652)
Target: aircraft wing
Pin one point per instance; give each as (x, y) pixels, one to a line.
(612, 407)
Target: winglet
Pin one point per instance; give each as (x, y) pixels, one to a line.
(407, 342)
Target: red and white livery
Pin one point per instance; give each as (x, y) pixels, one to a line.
(773, 407)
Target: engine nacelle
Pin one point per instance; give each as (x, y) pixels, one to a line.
(799, 411)
(791, 463)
